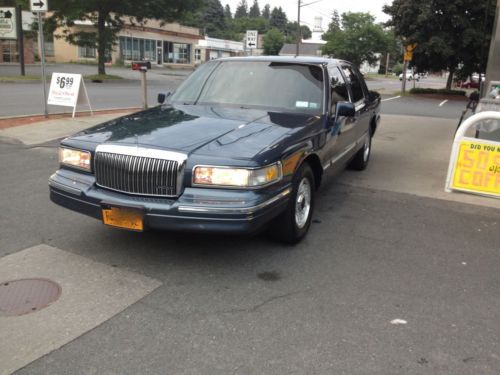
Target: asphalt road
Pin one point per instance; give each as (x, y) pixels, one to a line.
(237, 305)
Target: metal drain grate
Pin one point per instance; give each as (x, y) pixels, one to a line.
(18, 297)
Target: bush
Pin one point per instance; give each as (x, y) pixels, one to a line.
(397, 69)
(419, 90)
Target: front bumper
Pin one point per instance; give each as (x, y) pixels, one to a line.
(196, 210)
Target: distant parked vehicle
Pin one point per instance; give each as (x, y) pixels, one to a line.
(469, 84)
(410, 76)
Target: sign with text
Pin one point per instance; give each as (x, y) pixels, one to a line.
(39, 5)
(252, 39)
(8, 29)
(477, 167)
(68, 90)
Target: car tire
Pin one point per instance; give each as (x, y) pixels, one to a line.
(291, 226)
(362, 157)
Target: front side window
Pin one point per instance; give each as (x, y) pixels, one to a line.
(338, 87)
(256, 84)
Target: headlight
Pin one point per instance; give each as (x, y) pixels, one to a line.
(75, 158)
(237, 177)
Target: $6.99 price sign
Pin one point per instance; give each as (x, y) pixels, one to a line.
(64, 89)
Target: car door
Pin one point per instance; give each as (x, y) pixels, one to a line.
(360, 123)
(338, 130)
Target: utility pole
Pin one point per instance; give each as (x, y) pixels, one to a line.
(20, 37)
(299, 30)
(493, 68)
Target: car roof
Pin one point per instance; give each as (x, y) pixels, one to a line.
(287, 59)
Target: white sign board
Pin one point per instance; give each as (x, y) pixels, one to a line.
(8, 29)
(39, 5)
(65, 90)
(252, 39)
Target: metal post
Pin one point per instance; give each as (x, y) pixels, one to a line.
(144, 90)
(41, 39)
(387, 65)
(299, 31)
(403, 83)
(20, 38)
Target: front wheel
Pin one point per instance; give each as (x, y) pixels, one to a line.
(292, 225)
(362, 157)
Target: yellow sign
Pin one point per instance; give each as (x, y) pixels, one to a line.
(477, 168)
(409, 51)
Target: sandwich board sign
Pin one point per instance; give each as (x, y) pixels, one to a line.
(8, 29)
(68, 90)
(252, 39)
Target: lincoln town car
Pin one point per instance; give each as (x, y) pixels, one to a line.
(241, 146)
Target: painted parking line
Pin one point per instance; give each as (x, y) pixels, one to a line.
(90, 294)
(394, 97)
(443, 102)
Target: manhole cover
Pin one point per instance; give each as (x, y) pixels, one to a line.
(18, 297)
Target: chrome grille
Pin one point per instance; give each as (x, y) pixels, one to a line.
(137, 174)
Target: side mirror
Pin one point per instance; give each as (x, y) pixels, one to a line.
(162, 97)
(346, 109)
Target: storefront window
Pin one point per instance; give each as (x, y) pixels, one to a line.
(137, 48)
(197, 54)
(9, 51)
(87, 52)
(177, 53)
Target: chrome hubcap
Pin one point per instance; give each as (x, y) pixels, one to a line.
(303, 203)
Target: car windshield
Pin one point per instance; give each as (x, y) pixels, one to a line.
(255, 84)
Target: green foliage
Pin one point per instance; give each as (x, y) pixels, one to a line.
(213, 20)
(241, 10)
(449, 34)
(278, 19)
(397, 69)
(273, 42)
(254, 10)
(108, 16)
(357, 39)
(25, 4)
(291, 32)
(227, 13)
(420, 90)
(266, 12)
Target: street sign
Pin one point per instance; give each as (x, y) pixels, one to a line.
(252, 39)
(65, 90)
(8, 29)
(39, 5)
(409, 51)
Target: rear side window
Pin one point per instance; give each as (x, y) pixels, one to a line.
(356, 87)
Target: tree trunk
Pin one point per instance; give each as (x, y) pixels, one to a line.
(450, 79)
(101, 42)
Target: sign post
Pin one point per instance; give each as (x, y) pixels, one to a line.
(408, 56)
(39, 6)
(251, 40)
(20, 38)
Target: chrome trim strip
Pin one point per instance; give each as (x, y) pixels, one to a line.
(241, 210)
(142, 151)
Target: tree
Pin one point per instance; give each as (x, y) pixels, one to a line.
(214, 23)
(334, 23)
(241, 9)
(109, 16)
(453, 35)
(266, 12)
(254, 10)
(291, 32)
(227, 12)
(278, 19)
(358, 40)
(273, 42)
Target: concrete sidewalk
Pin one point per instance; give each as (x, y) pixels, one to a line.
(49, 130)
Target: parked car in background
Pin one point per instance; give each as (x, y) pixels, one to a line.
(242, 145)
(410, 76)
(468, 84)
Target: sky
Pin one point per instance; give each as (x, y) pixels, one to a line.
(322, 8)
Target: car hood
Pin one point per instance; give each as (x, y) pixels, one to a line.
(224, 131)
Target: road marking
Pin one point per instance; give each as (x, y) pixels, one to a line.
(443, 102)
(394, 97)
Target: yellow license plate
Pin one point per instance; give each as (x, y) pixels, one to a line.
(127, 218)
